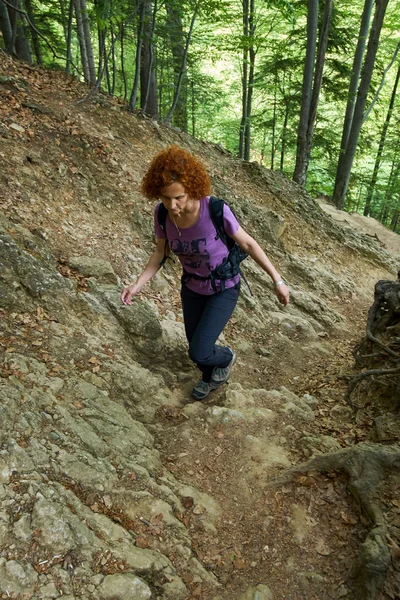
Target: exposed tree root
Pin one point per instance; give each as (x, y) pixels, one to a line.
(379, 349)
(372, 372)
(365, 465)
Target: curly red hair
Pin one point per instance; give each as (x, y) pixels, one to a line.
(174, 164)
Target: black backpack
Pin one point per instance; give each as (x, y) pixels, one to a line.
(230, 266)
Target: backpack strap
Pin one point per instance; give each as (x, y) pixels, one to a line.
(217, 217)
(162, 217)
(162, 220)
(216, 208)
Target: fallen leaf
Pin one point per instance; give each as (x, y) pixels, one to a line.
(187, 501)
(239, 563)
(197, 592)
(348, 519)
(322, 548)
(199, 509)
(157, 519)
(141, 542)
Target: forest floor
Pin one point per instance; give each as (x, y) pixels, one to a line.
(260, 538)
(369, 225)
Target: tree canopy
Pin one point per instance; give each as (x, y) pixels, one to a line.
(305, 87)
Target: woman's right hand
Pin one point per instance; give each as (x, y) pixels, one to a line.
(131, 290)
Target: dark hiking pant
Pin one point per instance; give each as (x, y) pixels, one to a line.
(205, 317)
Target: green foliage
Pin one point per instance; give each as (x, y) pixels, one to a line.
(212, 93)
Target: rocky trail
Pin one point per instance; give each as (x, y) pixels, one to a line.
(113, 484)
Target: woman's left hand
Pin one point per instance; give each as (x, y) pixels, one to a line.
(282, 292)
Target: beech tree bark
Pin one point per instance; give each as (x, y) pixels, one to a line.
(348, 151)
(245, 70)
(182, 73)
(355, 77)
(19, 43)
(312, 25)
(6, 28)
(319, 67)
(148, 79)
(34, 35)
(88, 42)
(179, 54)
(368, 202)
(252, 57)
(69, 35)
(81, 39)
(135, 89)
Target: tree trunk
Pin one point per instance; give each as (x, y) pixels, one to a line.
(106, 70)
(179, 53)
(19, 43)
(395, 219)
(319, 67)
(6, 28)
(35, 38)
(371, 187)
(81, 39)
(101, 38)
(355, 76)
(344, 169)
(284, 134)
(113, 59)
(378, 91)
(312, 25)
(193, 107)
(148, 81)
(182, 73)
(69, 35)
(273, 142)
(245, 75)
(135, 89)
(123, 73)
(252, 56)
(88, 43)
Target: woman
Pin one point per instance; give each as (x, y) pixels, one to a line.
(182, 184)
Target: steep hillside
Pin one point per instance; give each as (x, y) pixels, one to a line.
(113, 485)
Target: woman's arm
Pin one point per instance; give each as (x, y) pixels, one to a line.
(253, 249)
(149, 271)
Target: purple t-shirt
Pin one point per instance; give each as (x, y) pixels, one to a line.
(196, 247)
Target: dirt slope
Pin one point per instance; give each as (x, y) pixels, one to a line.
(70, 176)
(369, 225)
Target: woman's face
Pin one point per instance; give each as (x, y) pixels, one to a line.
(175, 198)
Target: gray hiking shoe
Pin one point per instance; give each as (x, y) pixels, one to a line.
(219, 375)
(201, 390)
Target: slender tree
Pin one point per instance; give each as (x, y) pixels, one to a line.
(148, 80)
(345, 165)
(19, 42)
(88, 42)
(182, 73)
(368, 202)
(250, 86)
(245, 75)
(312, 27)
(174, 26)
(305, 144)
(135, 89)
(34, 34)
(355, 77)
(81, 38)
(69, 35)
(6, 28)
